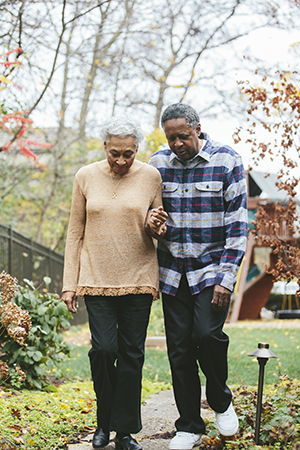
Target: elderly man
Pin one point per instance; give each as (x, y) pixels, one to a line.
(204, 198)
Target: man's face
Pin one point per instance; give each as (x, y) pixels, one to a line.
(183, 140)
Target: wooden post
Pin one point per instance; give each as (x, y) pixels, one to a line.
(242, 282)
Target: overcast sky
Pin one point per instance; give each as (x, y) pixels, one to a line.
(273, 46)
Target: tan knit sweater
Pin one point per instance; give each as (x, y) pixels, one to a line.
(108, 251)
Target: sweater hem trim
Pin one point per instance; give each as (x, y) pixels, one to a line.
(117, 292)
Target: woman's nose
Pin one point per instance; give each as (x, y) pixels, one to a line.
(121, 161)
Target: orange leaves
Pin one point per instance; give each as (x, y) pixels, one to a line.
(16, 119)
(27, 152)
(37, 144)
(6, 64)
(256, 95)
(18, 122)
(17, 50)
(274, 108)
(21, 121)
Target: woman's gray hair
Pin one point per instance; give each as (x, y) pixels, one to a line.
(178, 111)
(122, 126)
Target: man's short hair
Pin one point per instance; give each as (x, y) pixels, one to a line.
(178, 111)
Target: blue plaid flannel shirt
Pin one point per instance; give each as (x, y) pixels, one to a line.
(206, 200)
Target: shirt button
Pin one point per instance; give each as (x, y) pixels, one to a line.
(185, 209)
(186, 190)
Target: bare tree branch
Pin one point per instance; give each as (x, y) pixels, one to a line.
(87, 11)
(63, 29)
(21, 22)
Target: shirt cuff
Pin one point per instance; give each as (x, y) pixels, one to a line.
(226, 279)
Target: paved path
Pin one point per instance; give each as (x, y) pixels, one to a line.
(158, 416)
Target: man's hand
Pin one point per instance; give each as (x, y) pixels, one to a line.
(70, 297)
(156, 220)
(221, 298)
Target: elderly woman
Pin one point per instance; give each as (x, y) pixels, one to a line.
(110, 260)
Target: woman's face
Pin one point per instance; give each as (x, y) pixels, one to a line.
(120, 154)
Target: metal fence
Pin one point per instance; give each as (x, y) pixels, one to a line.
(24, 258)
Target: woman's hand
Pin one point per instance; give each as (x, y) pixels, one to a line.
(156, 222)
(70, 298)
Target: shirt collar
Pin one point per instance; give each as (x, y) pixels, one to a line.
(203, 153)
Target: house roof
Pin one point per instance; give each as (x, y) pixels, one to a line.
(265, 187)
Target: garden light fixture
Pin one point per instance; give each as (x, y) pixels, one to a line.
(262, 354)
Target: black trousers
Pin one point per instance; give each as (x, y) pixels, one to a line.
(118, 328)
(194, 335)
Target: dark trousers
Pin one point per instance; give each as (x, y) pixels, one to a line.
(194, 335)
(118, 327)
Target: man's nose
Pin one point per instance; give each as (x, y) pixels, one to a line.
(178, 142)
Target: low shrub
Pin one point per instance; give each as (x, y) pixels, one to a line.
(44, 346)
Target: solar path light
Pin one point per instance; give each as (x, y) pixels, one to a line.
(262, 354)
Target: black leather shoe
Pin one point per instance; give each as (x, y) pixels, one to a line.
(127, 443)
(100, 439)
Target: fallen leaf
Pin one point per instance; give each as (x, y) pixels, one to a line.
(89, 402)
(15, 428)
(16, 413)
(85, 411)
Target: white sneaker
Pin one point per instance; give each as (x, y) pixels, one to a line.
(227, 422)
(184, 441)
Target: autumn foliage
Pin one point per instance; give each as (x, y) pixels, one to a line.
(274, 109)
(16, 123)
(13, 320)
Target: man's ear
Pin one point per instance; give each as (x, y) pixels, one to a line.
(198, 129)
(104, 145)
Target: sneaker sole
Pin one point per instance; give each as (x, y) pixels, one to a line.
(228, 433)
(184, 448)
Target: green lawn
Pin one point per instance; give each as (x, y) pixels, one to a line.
(285, 343)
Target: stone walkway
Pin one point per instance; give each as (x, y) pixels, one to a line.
(158, 416)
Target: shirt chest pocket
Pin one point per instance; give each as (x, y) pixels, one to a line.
(209, 197)
(210, 188)
(169, 189)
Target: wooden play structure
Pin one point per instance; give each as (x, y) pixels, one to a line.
(255, 284)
